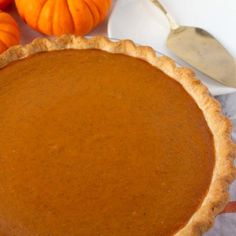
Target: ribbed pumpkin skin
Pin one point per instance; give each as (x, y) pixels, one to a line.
(58, 17)
(9, 31)
(5, 3)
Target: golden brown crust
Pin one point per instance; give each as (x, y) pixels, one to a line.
(219, 125)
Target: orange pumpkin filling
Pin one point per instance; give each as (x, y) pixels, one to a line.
(94, 143)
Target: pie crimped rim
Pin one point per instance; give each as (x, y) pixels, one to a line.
(220, 126)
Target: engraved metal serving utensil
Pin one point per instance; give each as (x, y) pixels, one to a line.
(201, 50)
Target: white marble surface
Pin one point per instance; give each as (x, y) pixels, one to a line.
(225, 224)
(228, 103)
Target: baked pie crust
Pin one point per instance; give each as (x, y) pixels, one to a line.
(224, 171)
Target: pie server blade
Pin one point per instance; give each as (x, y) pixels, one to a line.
(200, 49)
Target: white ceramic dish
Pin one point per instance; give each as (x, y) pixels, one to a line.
(140, 21)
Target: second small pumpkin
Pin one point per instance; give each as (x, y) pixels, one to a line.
(57, 17)
(9, 31)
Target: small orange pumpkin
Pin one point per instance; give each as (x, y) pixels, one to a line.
(9, 31)
(57, 17)
(5, 3)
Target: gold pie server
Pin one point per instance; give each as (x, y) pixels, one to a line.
(201, 50)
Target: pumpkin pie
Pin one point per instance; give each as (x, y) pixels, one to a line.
(101, 138)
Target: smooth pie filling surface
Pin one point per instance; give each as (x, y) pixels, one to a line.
(98, 144)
